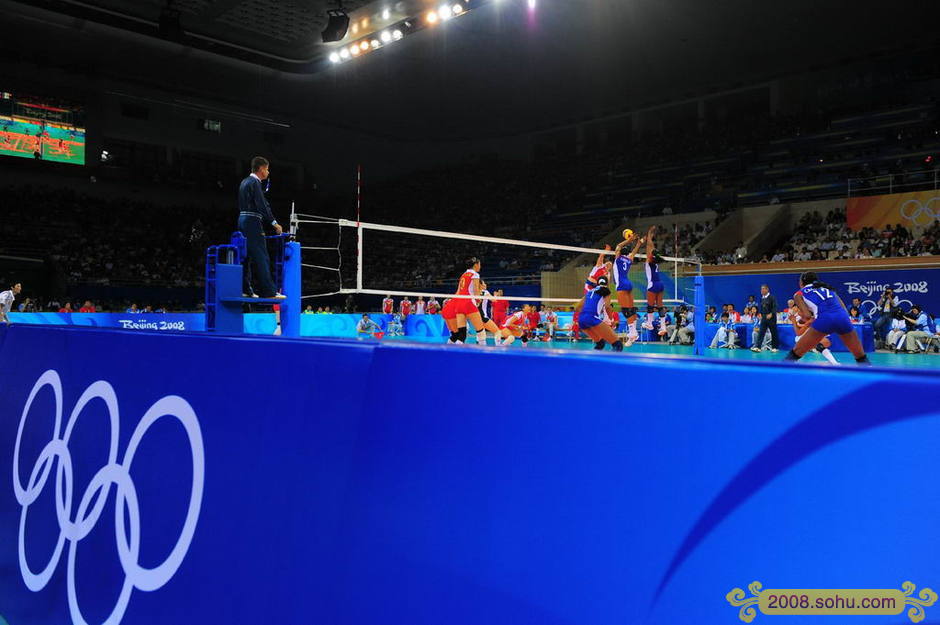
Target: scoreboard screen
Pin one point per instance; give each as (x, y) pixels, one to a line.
(41, 128)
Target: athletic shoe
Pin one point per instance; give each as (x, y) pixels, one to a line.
(774, 350)
(755, 349)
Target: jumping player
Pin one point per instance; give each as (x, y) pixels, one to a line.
(654, 285)
(590, 315)
(819, 304)
(622, 264)
(602, 269)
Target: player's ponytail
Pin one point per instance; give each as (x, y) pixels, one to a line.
(809, 278)
(473, 260)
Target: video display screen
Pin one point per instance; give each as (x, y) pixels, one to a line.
(41, 128)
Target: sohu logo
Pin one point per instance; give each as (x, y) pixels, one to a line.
(921, 214)
(114, 473)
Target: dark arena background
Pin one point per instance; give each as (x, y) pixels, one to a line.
(476, 312)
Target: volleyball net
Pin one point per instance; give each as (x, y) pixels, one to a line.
(373, 260)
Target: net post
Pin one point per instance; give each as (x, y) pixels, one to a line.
(699, 317)
(290, 307)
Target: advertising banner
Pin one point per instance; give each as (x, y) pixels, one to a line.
(914, 210)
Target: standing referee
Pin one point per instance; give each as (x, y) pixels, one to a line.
(254, 213)
(768, 320)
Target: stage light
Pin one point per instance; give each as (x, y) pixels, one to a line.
(334, 57)
(364, 45)
(386, 36)
(397, 35)
(365, 23)
(445, 13)
(336, 26)
(531, 4)
(458, 9)
(432, 17)
(355, 29)
(354, 50)
(344, 54)
(374, 43)
(386, 14)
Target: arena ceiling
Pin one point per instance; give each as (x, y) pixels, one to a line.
(501, 70)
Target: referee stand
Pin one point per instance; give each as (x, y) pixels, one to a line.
(225, 276)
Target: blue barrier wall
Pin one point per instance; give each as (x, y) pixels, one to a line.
(340, 486)
(255, 323)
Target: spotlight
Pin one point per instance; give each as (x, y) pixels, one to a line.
(364, 45)
(397, 35)
(386, 14)
(354, 50)
(365, 23)
(374, 43)
(531, 4)
(344, 54)
(432, 17)
(334, 57)
(355, 29)
(458, 9)
(445, 13)
(336, 26)
(386, 36)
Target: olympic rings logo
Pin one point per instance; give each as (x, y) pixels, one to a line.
(92, 501)
(920, 214)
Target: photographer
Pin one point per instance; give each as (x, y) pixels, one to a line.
(887, 304)
(918, 329)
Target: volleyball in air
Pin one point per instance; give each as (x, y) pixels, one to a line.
(627, 234)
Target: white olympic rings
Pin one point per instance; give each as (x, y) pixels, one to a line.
(98, 490)
(920, 214)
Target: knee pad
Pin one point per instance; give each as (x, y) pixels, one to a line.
(525, 338)
(820, 347)
(600, 344)
(462, 335)
(618, 346)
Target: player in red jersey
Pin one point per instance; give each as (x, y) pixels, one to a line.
(404, 309)
(515, 326)
(602, 269)
(433, 306)
(533, 319)
(449, 314)
(500, 308)
(388, 305)
(465, 309)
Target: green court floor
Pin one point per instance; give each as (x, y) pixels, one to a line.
(880, 359)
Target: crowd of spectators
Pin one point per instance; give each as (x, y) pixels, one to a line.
(819, 237)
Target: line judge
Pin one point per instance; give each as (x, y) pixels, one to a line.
(254, 214)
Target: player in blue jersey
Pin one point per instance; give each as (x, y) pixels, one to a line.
(821, 305)
(654, 284)
(590, 315)
(622, 264)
